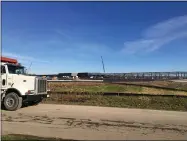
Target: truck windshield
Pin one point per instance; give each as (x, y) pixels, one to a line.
(16, 69)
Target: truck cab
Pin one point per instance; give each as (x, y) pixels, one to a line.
(18, 88)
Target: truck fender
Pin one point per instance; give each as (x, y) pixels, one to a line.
(10, 90)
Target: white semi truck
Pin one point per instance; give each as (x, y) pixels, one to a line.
(18, 88)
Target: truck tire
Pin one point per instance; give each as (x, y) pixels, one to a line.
(12, 101)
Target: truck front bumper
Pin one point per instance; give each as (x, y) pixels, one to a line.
(28, 98)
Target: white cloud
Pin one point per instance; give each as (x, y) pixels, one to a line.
(27, 60)
(23, 58)
(167, 27)
(158, 35)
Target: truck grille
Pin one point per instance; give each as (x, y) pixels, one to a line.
(41, 86)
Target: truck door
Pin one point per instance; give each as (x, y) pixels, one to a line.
(3, 77)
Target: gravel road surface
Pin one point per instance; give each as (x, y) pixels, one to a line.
(93, 123)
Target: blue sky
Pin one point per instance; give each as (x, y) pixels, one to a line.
(71, 36)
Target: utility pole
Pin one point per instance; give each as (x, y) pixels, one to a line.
(103, 64)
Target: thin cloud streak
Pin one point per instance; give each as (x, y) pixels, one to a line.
(63, 34)
(158, 35)
(22, 57)
(167, 27)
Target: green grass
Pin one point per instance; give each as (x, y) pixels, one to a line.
(143, 102)
(28, 137)
(165, 84)
(97, 99)
(102, 88)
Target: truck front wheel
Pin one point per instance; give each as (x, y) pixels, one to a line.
(12, 101)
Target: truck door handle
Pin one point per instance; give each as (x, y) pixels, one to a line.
(3, 82)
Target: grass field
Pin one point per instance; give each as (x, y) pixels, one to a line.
(128, 87)
(143, 102)
(164, 84)
(139, 101)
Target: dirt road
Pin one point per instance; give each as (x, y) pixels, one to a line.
(92, 123)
